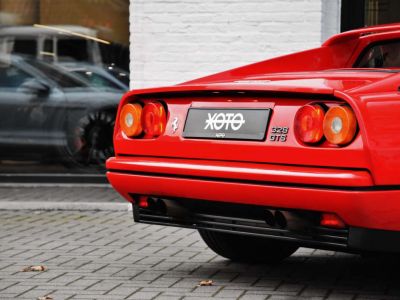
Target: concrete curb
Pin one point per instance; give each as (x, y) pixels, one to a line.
(53, 178)
(81, 206)
(63, 185)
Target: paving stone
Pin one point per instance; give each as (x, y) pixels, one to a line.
(253, 297)
(144, 295)
(17, 289)
(231, 294)
(83, 283)
(313, 292)
(163, 297)
(122, 291)
(37, 292)
(340, 296)
(206, 290)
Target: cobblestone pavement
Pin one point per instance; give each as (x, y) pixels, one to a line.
(104, 255)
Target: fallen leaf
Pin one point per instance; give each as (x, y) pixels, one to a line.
(206, 283)
(48, 297)
(35, 269)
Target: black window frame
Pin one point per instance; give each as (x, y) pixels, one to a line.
(368, 47)
(352, 15)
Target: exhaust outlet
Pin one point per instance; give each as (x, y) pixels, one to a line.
(269, 218)
(280, 219)
(157, 205)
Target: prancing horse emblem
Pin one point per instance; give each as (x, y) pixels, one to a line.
(175, 124)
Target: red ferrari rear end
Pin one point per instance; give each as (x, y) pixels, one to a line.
(263, 164)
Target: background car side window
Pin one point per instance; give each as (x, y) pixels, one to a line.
(383, 55)
(25, 46)
(72, 50)
(12, 77)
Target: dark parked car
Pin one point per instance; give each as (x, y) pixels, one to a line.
(56, 43)
(98, 77)
(47, 113)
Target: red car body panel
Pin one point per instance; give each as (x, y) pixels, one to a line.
(359, 182)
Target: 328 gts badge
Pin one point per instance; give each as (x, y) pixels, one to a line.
(279, 134)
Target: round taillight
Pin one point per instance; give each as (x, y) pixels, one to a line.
(340, 125)
(130, 119)
(154, 119)
(308, 123)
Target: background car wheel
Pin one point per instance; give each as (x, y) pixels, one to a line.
(246, 248)
(91, 141)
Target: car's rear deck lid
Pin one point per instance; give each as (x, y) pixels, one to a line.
(304, 86)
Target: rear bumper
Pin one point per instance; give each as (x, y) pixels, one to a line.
(241, 171)
(348, 193)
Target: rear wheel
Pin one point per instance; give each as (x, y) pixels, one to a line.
(91, 141)
(247, 248)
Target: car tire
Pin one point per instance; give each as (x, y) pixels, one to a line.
(90, 141)
(247, 248)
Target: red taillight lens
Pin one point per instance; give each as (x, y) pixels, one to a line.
(340, 125)
(308, 123)
(332, 221)
(154, 119)
(143, 201)
(130, 119)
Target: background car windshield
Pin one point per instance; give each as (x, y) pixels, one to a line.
(382, 55)
(63, 79)
(12, 77)
(96, 80)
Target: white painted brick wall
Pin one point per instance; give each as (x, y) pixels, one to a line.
(330, 18)
(177, 40)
